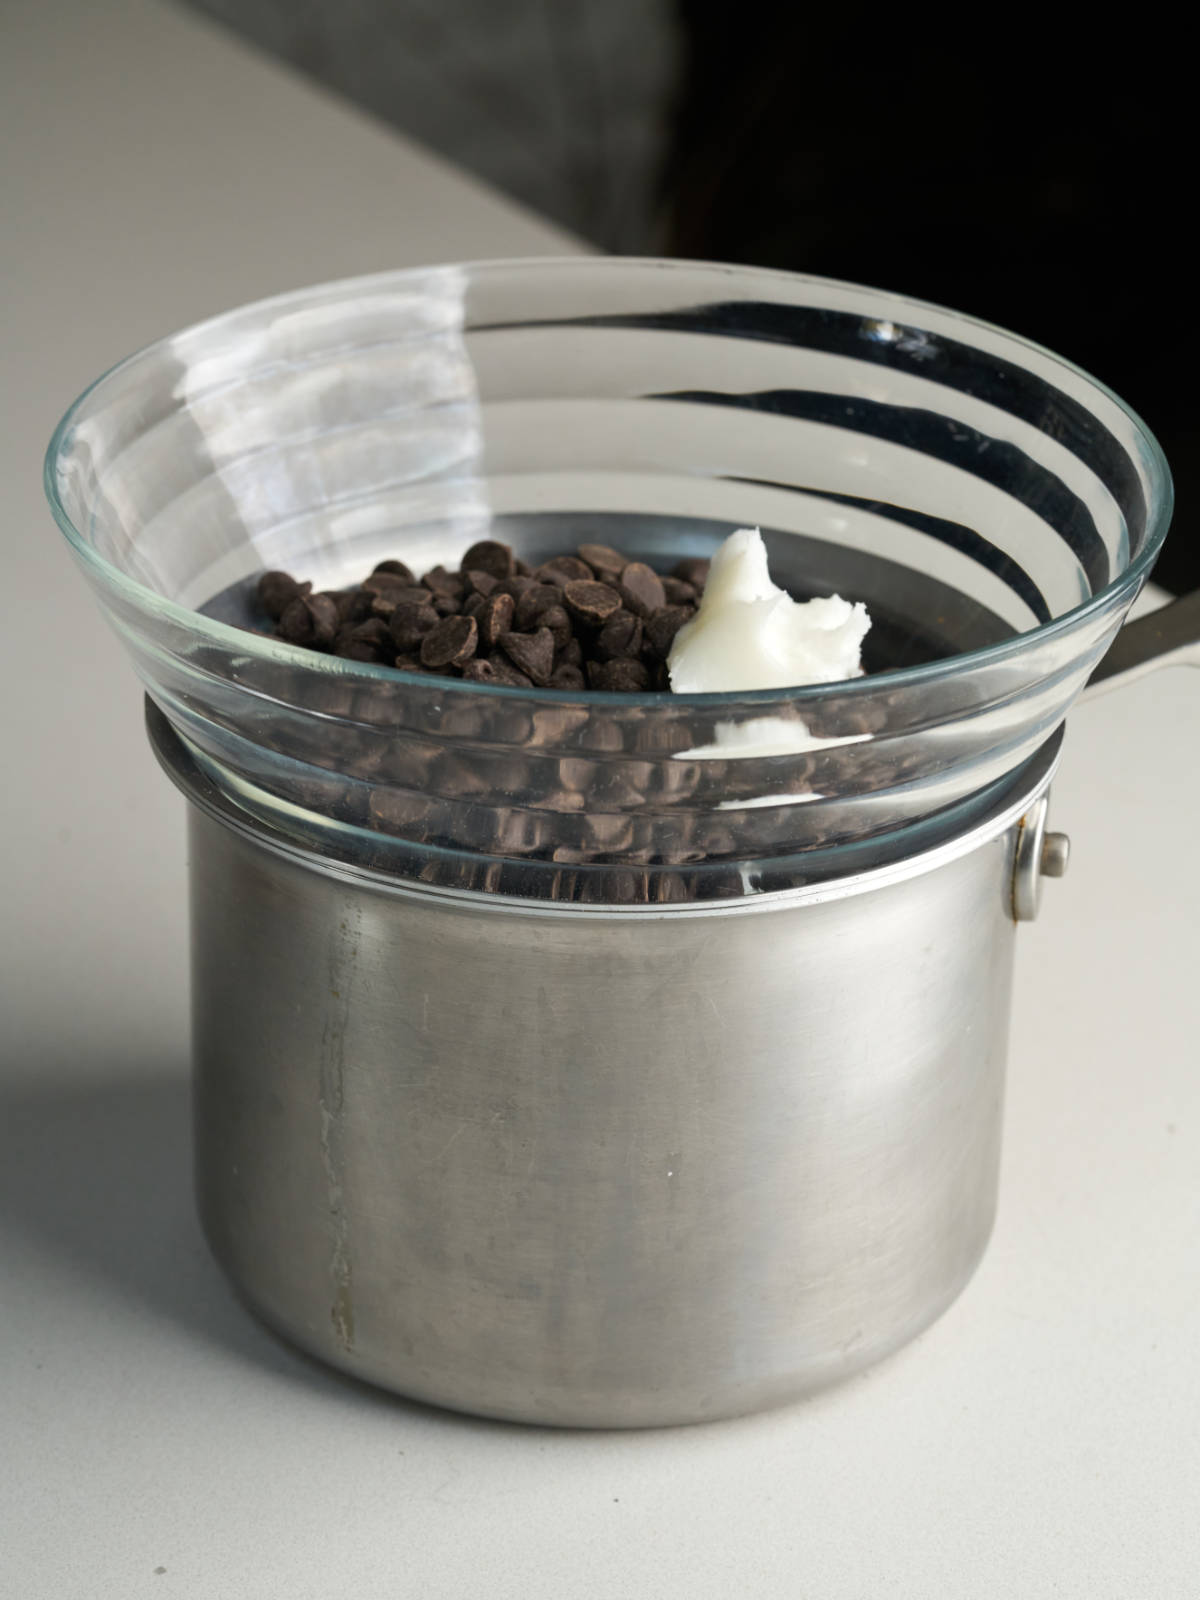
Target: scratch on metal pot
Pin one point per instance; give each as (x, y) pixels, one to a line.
(343, 969)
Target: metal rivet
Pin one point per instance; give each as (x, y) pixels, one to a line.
(1038, 855)
(1056, 853)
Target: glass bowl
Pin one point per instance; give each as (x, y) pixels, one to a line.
(995, 507)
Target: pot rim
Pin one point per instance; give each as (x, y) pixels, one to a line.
(1020, 791)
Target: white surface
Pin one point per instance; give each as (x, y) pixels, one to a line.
(1042, 1440)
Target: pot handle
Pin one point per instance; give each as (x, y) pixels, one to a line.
(1168, 637)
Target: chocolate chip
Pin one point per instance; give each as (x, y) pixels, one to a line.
(495, 617)
(387, 582)
(571, 654)
(385, 601)
(567, 677)
(609, 831)
(473, 605)
(439, 581)
(478, 582)
(352, 649)
(516, 585)
(355, 605)
(277, 590)
(531, 653)
(677, 592)
(606, 563)
(591, 602)
(662, 627)
(518, 832)
(693, 570)
(395, 810)
(311, 620)
(539, 597)
(506, 673)
(374, 631)
(398, 569)
(641, 589)
(562, 570)
(451, 643)
(621, 635)
(323, 610)
(478, 670)
(564, 800)
(409, 624)
(490, 556)
(623, 675)
(446, 605)
(554, 725)
(559, 624)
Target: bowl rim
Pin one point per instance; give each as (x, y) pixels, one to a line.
(239, 641)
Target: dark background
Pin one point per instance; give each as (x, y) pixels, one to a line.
(1032, 169)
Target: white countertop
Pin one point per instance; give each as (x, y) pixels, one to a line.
(1042, 1439)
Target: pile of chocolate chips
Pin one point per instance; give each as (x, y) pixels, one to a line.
(592, 620)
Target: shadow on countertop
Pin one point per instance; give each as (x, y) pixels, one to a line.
(99, 1176)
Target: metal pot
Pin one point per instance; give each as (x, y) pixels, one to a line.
(586, 1166)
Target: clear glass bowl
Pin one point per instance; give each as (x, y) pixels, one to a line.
(995, 507)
